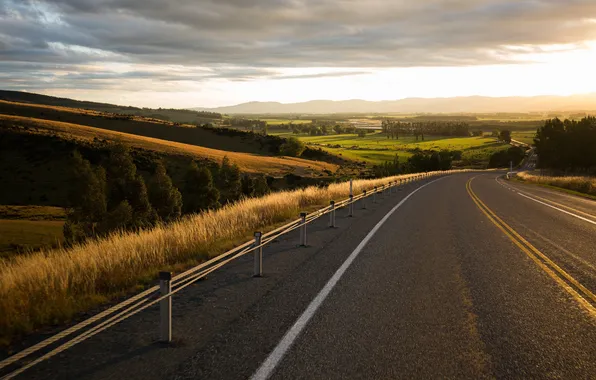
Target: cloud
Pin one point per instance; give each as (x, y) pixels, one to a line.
(242, 40)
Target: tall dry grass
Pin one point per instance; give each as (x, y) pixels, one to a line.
(50, 287)
(581, 184)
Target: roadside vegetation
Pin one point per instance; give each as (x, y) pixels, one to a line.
(566, 152)
(52, 286)
(579, 184)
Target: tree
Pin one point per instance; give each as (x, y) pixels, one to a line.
(292, 147)
(361, 133)
(567, 145)
(229, 181)
(247, 185)
(164, 197)
(87, 200)
(260, 185)
(254, 186)
(505, 135)
(125, 184)
(503, 158)
(199, 192)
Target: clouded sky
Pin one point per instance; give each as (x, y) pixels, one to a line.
(190, 53)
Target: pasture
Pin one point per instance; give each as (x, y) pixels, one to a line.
(376, 148)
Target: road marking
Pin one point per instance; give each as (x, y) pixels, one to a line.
(536, 198)
(275, 357)
(559, 209)
(546, 264)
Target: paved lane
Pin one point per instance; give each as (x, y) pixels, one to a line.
(441, 292)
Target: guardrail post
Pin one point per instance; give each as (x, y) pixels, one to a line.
(351, 208)
(375, 195)
(165, 307)
(332, 215)
(364, 200)
(258, 255)
(303, 229)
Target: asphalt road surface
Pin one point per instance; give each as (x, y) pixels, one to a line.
(468, 277)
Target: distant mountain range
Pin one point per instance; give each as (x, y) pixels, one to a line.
(471, 104)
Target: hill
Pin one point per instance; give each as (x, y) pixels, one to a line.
(174, 115)
(470, 104)
(228, 140)
(251, 163)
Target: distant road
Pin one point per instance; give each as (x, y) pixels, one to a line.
(470, 276)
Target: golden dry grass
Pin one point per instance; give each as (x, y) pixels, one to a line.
(580, 184)
(51, 286)
(247, 162)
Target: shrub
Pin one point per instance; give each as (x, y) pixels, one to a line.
(292, 147)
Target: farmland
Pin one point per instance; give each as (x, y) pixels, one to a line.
(524, 136)
(376, 148)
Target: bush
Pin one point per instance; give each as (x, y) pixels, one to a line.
(504, 158)
(292, 147)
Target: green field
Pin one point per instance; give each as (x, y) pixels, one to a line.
(524, 136)
(376, 148)
(286, 121)
(28, 235)
(29, 228)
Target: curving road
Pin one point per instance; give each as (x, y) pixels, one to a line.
(471, 276)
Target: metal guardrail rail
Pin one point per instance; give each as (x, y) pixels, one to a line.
(169, 285)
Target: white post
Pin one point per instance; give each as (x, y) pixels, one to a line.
(332, 215)
(165, 307)
(351, 208)
(364, 200)
(258, 256)
(303, 229)
(351, 192)
(375, 195)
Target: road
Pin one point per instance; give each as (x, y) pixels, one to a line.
(470, 276)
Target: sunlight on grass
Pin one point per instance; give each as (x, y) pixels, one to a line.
(51, 286)
(581, 184)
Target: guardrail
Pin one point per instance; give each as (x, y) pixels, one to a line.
(168, 285)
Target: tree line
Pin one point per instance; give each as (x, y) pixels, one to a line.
(420, 161)
(568, 145)
(113, 196)
(247, 124)
(393, 128)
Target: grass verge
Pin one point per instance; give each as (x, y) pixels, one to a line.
(50, 287)
(579, 185)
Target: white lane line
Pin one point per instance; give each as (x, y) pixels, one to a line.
(559, 209)
(275, 357)
(546, 204)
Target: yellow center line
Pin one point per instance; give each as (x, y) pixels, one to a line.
(534, 254)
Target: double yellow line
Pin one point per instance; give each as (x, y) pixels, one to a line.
(579, 292)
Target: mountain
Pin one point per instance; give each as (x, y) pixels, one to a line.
(472, 104)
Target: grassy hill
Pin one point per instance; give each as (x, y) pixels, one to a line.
(209, 137)
(37, 141)
(174, 115)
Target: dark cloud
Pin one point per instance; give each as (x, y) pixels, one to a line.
(254, 37)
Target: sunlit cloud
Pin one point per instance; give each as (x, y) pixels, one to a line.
(226, 51)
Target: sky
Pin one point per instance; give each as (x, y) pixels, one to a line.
(209, 53)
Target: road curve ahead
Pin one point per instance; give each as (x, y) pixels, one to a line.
(470, 276)
(466, 281)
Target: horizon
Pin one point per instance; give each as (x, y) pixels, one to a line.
(223, 53)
